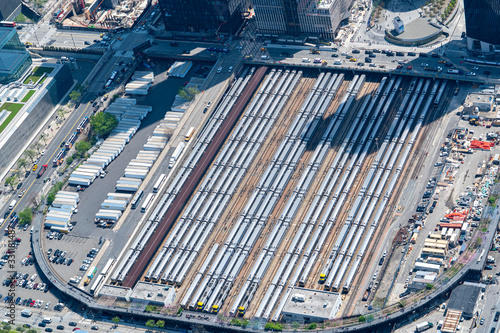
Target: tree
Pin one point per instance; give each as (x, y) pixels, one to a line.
(74, 95)
(60, 115)
(11, 181)
(43, 137)
(361, 319)
(38, 146)
(82, 147)
(21, 163)
(103, 123)
(312, 326)
(50, 198)
(31, 331)
(160, 323)
(150, 323)
(30, 153)
(69, 160)
(274, 327)
(295, 325)
(150, 308)
(244, 323)
(188, 93)
(25, 216)
(115, 320)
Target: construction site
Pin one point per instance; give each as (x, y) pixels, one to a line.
(99, 14)
(290, 185)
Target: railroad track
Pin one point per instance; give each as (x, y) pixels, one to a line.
(368, 89)
(263, 159)
(277, 259)
(224, 224)
(376, 239)
(391, 112)
(296, 220)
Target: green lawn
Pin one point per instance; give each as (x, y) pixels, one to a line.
(14, 109)
(28, 96)
(37, 73)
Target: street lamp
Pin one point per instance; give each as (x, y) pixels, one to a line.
(74, 45)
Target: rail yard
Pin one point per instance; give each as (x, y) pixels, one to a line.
(290, 183)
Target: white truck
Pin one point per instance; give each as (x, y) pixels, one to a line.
(490, 260)
(423, 326)
(26, 313)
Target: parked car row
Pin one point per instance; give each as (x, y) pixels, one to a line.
(55, 235)
(59, 257)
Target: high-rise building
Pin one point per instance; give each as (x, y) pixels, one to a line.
(9, 9)
(295, 17)
(203, 15)
(14, 59)
(482, 19)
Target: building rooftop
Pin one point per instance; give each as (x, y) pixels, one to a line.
(312, 303)
(451, 321)
(152, 292)
(114, 291)
(464, 298)
(479, 98)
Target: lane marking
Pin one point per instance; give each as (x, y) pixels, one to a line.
(27, 190)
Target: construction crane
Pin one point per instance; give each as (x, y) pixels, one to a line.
(91, 16)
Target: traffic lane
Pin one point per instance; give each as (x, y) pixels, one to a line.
(381, 59)
(105, 73)
(192, 47)
(68, 127)
(64, 318)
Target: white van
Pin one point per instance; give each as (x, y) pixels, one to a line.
(219, 70)
(337, 62)
(46, 320)
(12, 204)
(264, 57)
(306, 60)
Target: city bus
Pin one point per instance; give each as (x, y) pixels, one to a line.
(137, 199)
(189, 134)
(8, 24)
(147, 202)
(159, 183)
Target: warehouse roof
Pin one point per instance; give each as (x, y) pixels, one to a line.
(464, 298)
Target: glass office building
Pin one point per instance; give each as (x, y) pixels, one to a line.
(294, 17)
(203, 15)
(482, 24)
(14, 59)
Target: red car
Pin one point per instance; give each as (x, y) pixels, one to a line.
(399, 67)
(409, 68)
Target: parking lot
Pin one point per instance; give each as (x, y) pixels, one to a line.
(71, 250)
(31, 290)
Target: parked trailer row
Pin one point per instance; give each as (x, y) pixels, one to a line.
(107, 152)
(122, 270)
